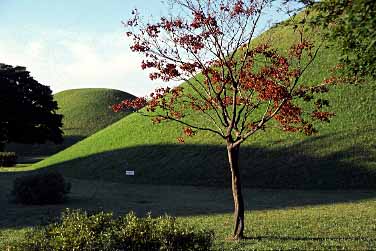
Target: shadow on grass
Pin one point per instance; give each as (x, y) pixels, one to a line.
(325, 162)
(185, 180)
(31, 153)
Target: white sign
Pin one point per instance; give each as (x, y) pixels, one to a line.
(130, 173)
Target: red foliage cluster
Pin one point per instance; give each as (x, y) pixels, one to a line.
(306, 93)
(267, 88)
(147, 64)
(158, 119)
(200, 105)
(160, 92)
(279, 70)
(298, 49)
(320, 103)
(188, 131)
(331, 80)
(190, 67)
(228, 100)
(153, 30)
(198, 19)
(171, 25)
(272, 82)
(322, 116)
(169, 71)
(192, 42)
(136, 104)
(288, 115)
(166, 71)
(239, 8)
(140, 47)
(165, 98)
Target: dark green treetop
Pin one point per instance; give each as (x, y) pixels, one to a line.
(353, 25)
(27, 109)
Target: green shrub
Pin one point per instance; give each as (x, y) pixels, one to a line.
(39, 189)
(8, 159)
(102, 232)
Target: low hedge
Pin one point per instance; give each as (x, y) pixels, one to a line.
(102, 232)
(8, 159)
(40, 189)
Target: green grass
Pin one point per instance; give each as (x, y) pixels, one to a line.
(85, 112)
(275, 219)
(348, 226)
(342, 155)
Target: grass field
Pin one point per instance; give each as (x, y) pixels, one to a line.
(342, 155)
(192, 180)
(275, 219)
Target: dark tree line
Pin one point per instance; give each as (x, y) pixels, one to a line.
(27, 109)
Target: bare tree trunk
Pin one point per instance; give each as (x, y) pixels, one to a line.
(233, 158)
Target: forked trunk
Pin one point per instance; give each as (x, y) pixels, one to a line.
(233, 158)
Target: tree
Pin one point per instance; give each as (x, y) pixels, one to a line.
(27, 109)
(232, 87)
(352, 24)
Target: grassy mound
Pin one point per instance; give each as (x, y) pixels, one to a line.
(342, 156)
(85, 111)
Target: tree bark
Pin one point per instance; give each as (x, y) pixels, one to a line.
(233, 158)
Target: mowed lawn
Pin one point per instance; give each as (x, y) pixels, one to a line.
(275, 219)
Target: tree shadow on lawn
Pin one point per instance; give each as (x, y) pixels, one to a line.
(185, 180)
(120, 198)
(324, 162)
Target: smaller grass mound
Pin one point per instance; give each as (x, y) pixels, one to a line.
(79, 231)
(87, 111)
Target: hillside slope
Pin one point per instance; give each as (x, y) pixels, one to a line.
(343, 155)
(87, 111)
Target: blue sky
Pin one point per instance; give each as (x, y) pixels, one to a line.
(75, 43)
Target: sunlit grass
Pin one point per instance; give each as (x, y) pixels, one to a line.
(87, 111)
(275, 219)
(342, 155)
(348, 226)
(343, 145)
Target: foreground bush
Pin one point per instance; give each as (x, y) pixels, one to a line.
(8, 159)
(39, 189)
(102, 232)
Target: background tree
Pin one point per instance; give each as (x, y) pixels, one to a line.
(27, 109)
(232, 87)
(352, 24)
